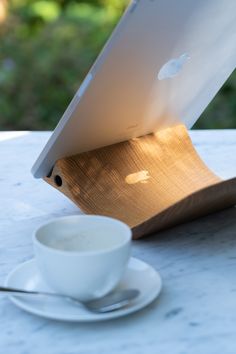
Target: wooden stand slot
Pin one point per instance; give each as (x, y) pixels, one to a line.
(150, 183)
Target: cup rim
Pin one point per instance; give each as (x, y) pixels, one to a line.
(82, 253)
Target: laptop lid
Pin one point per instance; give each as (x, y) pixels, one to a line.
(163, 65)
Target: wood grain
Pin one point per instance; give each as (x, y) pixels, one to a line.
(151, 183)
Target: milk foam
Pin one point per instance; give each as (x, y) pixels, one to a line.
(81, 241)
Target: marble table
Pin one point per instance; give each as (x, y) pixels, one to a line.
(196, 312)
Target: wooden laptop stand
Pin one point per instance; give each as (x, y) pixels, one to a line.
(150, 183)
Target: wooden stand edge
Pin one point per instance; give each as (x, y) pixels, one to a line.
(150, 183)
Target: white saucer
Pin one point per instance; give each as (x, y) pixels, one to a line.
(139, 275)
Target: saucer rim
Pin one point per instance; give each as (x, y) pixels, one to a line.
(147, 300)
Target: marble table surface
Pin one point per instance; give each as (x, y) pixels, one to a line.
(196, 312)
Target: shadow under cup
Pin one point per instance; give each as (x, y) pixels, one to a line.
(83, 256)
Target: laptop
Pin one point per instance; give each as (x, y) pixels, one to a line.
(163, 64)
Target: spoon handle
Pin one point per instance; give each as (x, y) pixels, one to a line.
(14, 291)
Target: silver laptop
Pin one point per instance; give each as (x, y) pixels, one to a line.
(163, 64)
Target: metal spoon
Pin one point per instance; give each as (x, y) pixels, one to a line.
(111, 302)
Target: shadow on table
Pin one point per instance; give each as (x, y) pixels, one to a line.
(220, 223)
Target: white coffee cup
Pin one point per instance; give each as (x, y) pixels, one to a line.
(83, 256)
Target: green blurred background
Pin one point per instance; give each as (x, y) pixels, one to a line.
(46, 48)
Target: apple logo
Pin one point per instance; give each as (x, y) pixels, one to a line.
(173, 67)
(138, 177)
